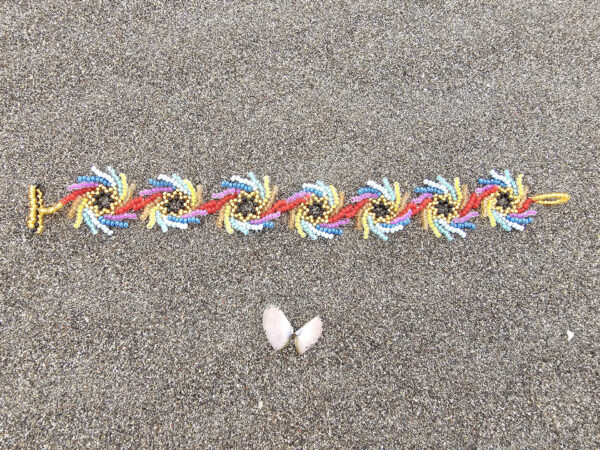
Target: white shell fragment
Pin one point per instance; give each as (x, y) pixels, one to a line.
(279, 331)
(277, 328)
(308, 335)
(570, 335)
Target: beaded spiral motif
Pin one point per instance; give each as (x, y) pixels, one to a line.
(447, 209)
(96, 201)
(382, 209)
(314, 208)
(249, 206)
(99, 207)
(103, 201)
(505, 201)
(170, 203)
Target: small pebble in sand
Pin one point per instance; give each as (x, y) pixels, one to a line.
(570, 335)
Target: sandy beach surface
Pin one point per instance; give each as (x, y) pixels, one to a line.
(152, 340)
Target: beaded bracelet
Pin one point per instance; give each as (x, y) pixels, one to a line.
(104, 202)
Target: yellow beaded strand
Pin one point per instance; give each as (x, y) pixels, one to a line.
(228, 226)
(365, 225)
(431, 224)
(152, 217)
(79, 218)
(299, 225)
(553, 198)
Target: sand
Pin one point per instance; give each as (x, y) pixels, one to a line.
(151, 340)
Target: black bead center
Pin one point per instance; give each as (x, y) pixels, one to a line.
(247, 206)
(316, 210)
(444, 207)
(103, 200)
(175, 204)
(380, 210)
(504, 200)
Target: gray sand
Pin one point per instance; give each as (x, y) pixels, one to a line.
(145, 339)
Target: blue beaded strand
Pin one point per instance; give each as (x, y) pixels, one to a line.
(335, 231)
(368, 190)
(161, 183)
(428, 190)
(229, 184)
(463, 225)
(113, 223)
(520, 220)
(314, 191)
(93, 179)
(491, 181)
(183, 219)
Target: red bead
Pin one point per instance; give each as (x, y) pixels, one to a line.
(526, 204)
(73, 195)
